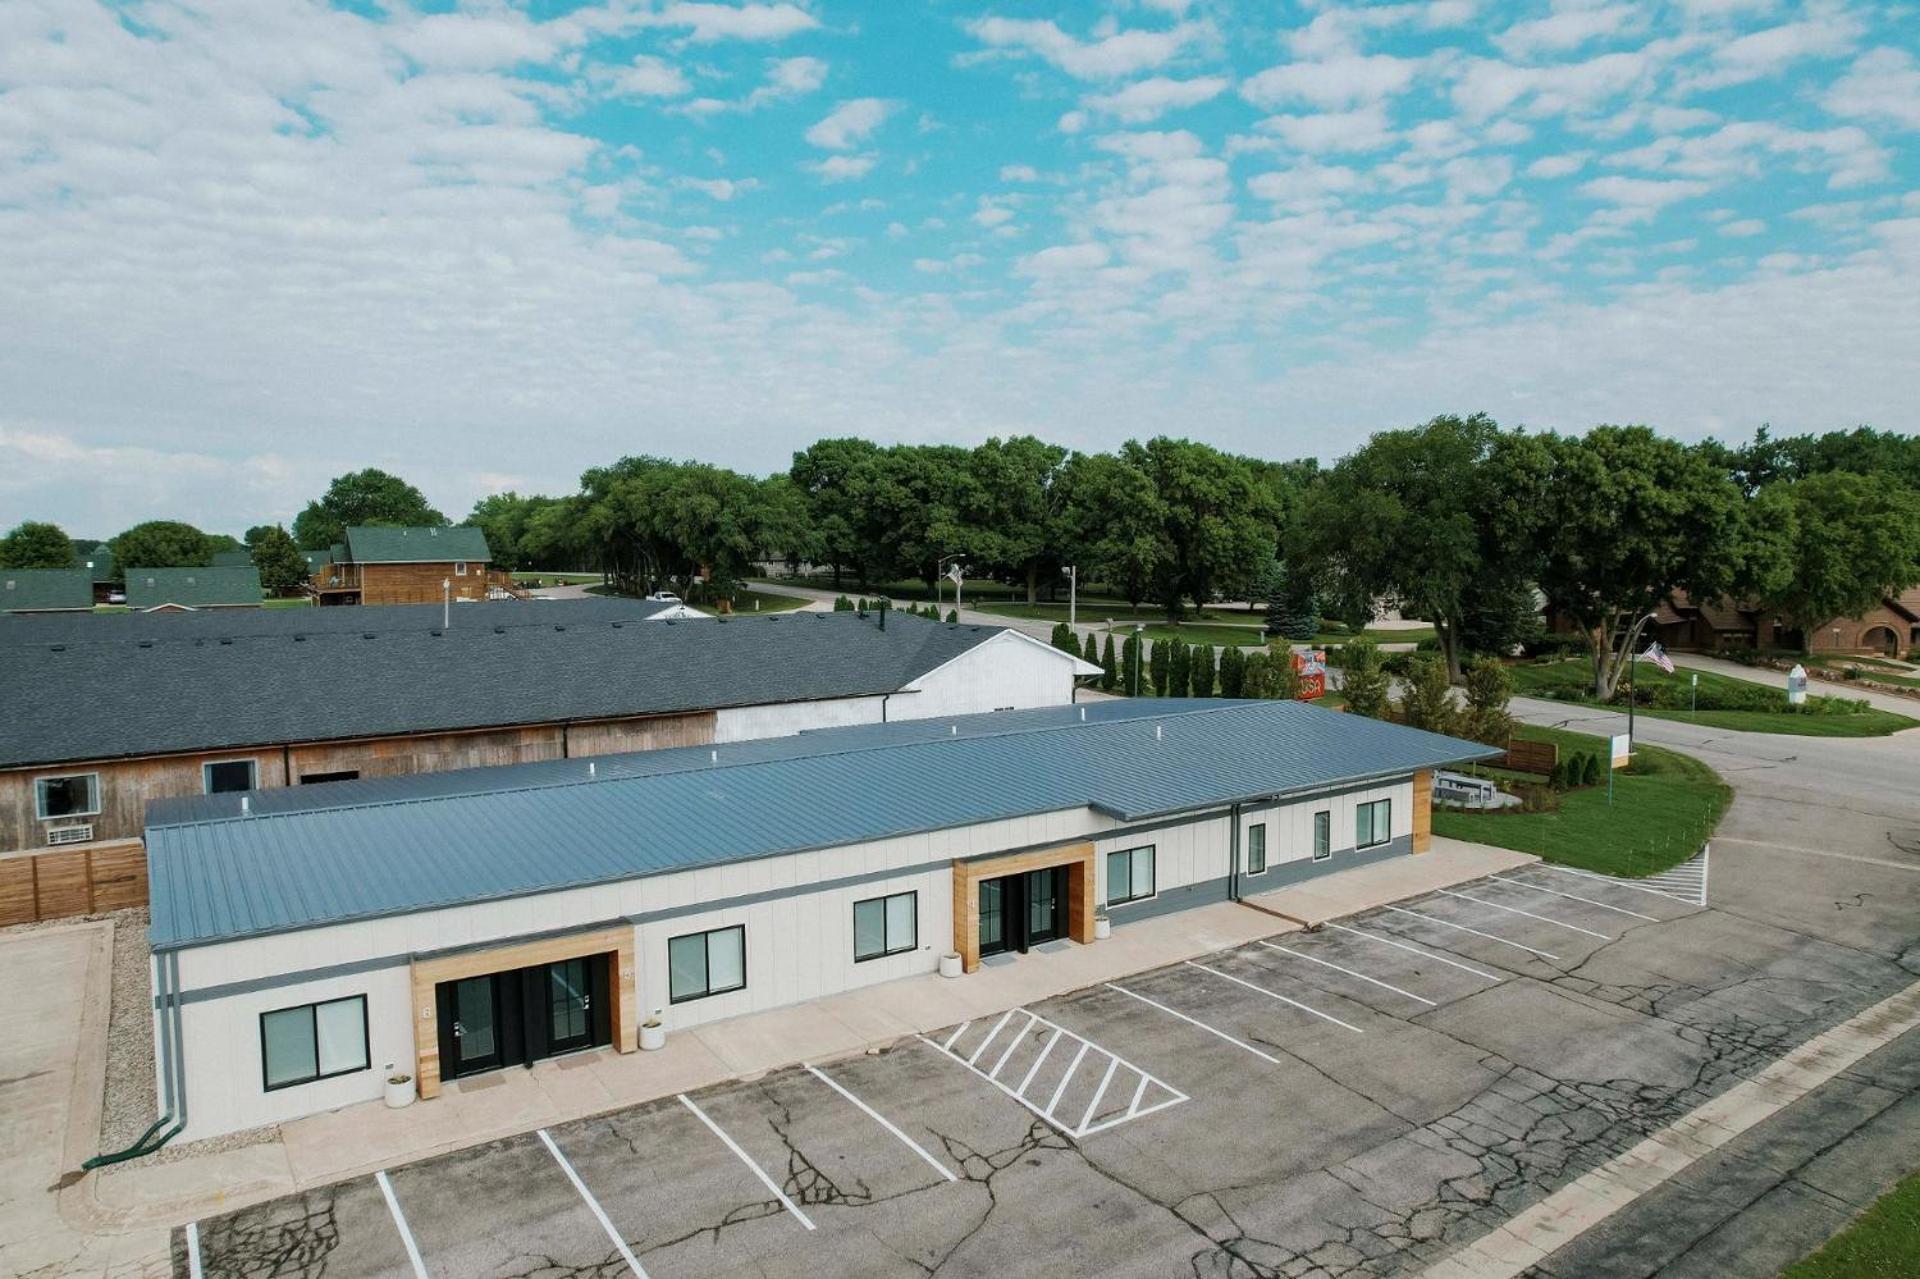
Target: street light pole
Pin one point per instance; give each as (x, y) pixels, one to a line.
(1633, 640)
(1073, 595)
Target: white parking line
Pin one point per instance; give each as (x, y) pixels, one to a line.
(193, 1250)
(758, 1171)
(1039, 1061)
(1617, 883)
(400, 1222)
(1415, 950)
(1093, 1106)
(1515, 910)
(1262, 990)
(1521, 883)
(593, 1205)
(1312, 959)
(959, 1030)
(991, 1034)
(1241, 1044)
(886, 1123)
(1448, 923)
(1061, 1089)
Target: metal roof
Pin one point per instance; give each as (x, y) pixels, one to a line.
(350, 852)
(103, 701)
(130, 628)
(203, 587)
(377, 544)
(31, 589)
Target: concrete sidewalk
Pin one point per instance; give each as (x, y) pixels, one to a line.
(115, 1221)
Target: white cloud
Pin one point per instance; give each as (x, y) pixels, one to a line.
(1764, 53)
(707, 23)
(1642, 197)
(1149, 99)
(1556, 166)
(850, 124)
(1562, 30)
(1881, 85)
(1744, 150)
(1487, 86)
(1332, 83)
(1333, 131)
(1743, 227)
(844, 168)
(992, 213)
(649, 77)
(1105, 57)
(1063, 260)
(1019, 173)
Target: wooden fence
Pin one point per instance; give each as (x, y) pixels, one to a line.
(1529, 757)
(83, 880)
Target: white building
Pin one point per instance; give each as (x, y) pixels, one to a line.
(457, 923)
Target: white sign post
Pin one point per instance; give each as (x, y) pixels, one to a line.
(1797, 686)
(1621, 753)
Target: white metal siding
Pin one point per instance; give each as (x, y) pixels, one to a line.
(743, 723)
(1006, 672)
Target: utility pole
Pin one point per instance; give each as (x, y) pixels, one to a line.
(1073, 594)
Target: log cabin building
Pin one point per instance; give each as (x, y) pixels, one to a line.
(99, 726)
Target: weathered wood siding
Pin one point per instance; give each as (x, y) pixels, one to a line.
(83, 880)
(419, 583)
(124, 789)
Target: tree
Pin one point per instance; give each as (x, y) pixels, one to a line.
(1233, 671)
(1425, 515)
(1204, 674)
(36, 544)
(1489, 690)
(1063, 639)
(369, 496)
(1291, 613)
(282, 567)
(1179, 668)
(1109, 666)
(1015, 514)
(1634, 518)
(1257, 676)
(258, 531)
(1216, 521)
(1364, 681)
(1852, 539)
(1131, 682)
(1286, 676)
(1090, 654)
(1111, 524)
(1427, 701)
(1500, 617)
(160, 544)
(1160, 666)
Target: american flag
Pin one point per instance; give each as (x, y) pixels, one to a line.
(1658, 656)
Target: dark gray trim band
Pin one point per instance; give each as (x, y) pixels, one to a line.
(1169, 900)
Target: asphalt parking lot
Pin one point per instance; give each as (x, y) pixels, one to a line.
(1357, 1100)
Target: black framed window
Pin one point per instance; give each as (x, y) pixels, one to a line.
(1372, 823)
(344, 775)
(1256, 848)
(313, 1041)
(1322, 835)
(75, 795)
(1130, 875)
(709, 963)
(226, 775)
(886, 925)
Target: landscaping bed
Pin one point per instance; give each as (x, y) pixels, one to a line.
(1664, 808)
(1722, 702)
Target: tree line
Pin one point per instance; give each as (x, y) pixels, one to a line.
(1458, 521)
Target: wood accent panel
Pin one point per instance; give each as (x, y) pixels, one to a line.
(1530, 757)
(85, 879)
(1082, 890)
(429, 973)
(419, 583)
(1423, 811)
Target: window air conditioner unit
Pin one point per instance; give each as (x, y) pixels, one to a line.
(80, 834)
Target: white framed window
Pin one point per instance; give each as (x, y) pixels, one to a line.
(1372, 823)
(223, 775)
(1322, 835)
(71, 795)
(1256, 848)
(709, 963)
(459, 568)
(1130, 875)
(313, 1041)
(886, 926)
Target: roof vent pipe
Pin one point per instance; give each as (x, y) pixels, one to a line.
(953, 730)
(246, 806)
(713, 757)
(590, 770)
(1083, 714)
(1156, 732)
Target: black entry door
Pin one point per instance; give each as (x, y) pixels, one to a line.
(470, 1026)
(993, 916)
(569, 1005)
(1046, 904)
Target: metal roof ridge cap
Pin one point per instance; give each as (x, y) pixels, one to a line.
(558, 783)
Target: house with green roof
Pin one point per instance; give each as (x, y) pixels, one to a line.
(377, 564)
(228, 586)
(45, 590)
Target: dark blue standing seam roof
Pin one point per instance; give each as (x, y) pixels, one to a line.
(359, 857)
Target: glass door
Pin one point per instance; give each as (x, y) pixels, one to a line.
(993, 916)
(1046, 896)
(476, 1025)
(569, 1002)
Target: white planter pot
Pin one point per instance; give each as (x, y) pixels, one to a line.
(1102, 928)
(653, 1038)
(400, 1092)
(950, 965)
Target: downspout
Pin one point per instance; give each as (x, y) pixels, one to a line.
(173, 1079)
(1233, 854)
(884, 699)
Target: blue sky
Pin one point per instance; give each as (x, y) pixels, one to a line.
(249, 246)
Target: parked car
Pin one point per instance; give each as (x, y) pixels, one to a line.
(665, 597)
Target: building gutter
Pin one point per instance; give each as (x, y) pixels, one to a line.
(1233, 854)
(173, 1080)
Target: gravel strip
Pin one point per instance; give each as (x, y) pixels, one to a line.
(130, 1105)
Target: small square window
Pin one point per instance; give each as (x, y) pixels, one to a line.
(1372, 823)
(886, 926)
(76, 795)
(223, 776)
(709, 963)
(313, 1041)
(459, 568)
(1256, 848)
(1130, 875)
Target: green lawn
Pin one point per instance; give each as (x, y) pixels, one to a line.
(746, 603)
(1870, 668)
(1826, 717)
(1663, 809)
(1094, 610)
(1881, 1243)
(556, 579)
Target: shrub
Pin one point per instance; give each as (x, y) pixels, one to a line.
(1233, 670)
(1256, 679)
(1091, 653)
(842, 604)
(1590, 770)
(1109, 667)
(1428, 700)
(1556, 646)
(1489, 689)
(953, 617)
(1179, 668)
(1202, 679)
(1366, 684)
(1159, 667)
